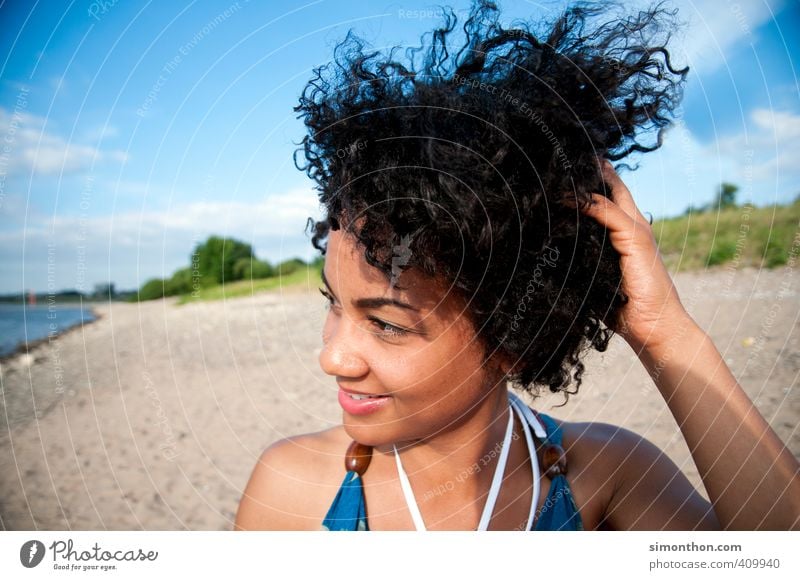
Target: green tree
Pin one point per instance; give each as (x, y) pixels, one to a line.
(252, 269)
(214, 259)
(726, 195)
(179, 283)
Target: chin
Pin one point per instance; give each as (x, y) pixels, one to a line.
(375, 435)
(383, 433)
(372, 435)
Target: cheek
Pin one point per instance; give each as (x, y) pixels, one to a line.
(439, 401)
(397, 370)
(439, 375)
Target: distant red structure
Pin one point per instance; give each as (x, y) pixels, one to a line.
(31, 298)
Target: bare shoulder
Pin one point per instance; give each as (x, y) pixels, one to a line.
(294, 482)
(630, 482)
(600, 446)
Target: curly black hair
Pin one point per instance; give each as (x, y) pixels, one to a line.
(468, 161)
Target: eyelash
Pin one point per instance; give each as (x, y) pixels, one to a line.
(395, 332)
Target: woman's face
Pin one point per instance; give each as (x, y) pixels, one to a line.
(413, 350)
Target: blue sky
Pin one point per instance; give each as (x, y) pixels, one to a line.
(131, 131)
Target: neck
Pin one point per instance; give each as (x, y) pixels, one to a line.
(456, 465)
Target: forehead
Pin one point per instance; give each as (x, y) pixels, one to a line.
(349, 273)
(346, 263)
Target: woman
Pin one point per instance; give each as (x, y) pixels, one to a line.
(476, 234)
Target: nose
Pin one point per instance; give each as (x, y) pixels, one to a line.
(342, 351)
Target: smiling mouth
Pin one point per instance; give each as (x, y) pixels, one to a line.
(362, 403)
(356, 397)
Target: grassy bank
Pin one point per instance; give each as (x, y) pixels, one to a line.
(303, 278)
(747, 236)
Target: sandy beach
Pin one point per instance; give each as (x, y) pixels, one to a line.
(152, 417)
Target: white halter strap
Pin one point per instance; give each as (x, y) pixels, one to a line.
(528, 420)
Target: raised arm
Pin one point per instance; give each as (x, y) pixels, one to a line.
(752, 479)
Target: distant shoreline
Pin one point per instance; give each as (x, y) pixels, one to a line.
(25, 347)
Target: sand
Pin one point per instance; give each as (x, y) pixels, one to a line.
(152, 417)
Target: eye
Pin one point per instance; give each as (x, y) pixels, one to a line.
(385, 330)
(388, 330)
(328, 296)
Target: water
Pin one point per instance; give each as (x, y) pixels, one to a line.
(20, 324)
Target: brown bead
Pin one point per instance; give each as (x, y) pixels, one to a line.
(357, 457)
(554, 460)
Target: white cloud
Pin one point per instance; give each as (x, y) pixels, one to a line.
(137, 189)
(276, 216)
(13, 207)
(99, 133)
(714, 28)
(33, 149)
(130, 248)
(783, 124)
(683, 172)
(709, 29)
(770, 142)
(760, 158)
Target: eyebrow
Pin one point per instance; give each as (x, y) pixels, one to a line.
(376, 302)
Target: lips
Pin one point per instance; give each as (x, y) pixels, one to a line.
(361, 403)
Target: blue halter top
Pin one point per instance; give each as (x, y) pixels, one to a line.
(348, 512)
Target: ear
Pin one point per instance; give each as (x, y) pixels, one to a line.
(503, 363)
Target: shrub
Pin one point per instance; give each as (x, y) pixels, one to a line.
(179, 283)
(252, 269)
(290, 266)
(721, 252)
(152, 289)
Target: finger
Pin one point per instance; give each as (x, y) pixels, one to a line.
(611, 215)
(621, 194)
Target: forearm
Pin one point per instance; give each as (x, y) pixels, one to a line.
(752, 479)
